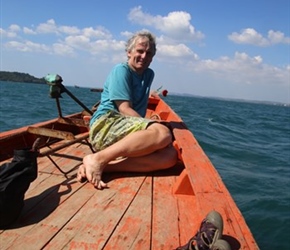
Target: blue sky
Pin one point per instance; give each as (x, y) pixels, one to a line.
(229, 48)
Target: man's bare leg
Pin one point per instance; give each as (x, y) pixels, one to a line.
(161, 159)
(143, 142)
(150, 143)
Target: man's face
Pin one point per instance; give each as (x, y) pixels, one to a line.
(141, 56)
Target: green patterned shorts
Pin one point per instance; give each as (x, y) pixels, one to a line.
(113, 126)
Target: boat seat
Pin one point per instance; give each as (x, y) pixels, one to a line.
(67, 138)
(51, 133)
(61, 138)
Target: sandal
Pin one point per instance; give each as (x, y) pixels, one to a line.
(209, 235)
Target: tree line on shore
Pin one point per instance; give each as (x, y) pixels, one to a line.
(19, 77)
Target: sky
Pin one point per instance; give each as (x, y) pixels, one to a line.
(237, 49)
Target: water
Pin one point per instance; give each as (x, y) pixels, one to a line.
(248, 143)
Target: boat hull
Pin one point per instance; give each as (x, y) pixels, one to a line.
(159, 210)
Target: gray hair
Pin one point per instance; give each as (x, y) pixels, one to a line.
(130, 45)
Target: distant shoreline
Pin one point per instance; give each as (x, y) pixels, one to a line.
(7, 76)
(18, 77)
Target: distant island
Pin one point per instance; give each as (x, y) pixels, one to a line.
(20, 77)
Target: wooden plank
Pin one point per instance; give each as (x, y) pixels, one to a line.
(48, 217)
(93, 225)
(51, 133)
(63, 163)
(65, 144)
(72, 121)
(199, 168)
(189, 217)
(134, 230)
(165, 228)
(67, 159)
(38, 190)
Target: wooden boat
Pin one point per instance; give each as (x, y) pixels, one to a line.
(159, 210)
(96, 90)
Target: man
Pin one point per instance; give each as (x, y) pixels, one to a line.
(118, 129)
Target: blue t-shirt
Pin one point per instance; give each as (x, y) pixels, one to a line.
(125, 84)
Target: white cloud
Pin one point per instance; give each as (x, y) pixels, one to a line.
(28, 31)
(179, 50)
(277, 37)
(243, 69)
(48, 27)
(108, 46)
(127, 34)
(27, 46)
(14, 28)
(69, 30)
(176, 24)
(251, 36)
(99, 33)
(11, 32)
(51, 27)
(248, 36)
(80, 41)
(91, 40)
(63, 49)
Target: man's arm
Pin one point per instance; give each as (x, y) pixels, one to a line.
(125, 108)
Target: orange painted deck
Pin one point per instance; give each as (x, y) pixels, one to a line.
(160, 210)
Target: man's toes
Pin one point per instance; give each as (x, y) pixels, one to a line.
(101, 185)
(81, 174)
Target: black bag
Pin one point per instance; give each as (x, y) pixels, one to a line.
(15, 178)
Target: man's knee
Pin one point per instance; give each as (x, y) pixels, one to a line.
(162, 132)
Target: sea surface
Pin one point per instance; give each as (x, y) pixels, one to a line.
(248, 143)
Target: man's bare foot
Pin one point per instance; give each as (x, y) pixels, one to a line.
(81, 175)
(92, 170)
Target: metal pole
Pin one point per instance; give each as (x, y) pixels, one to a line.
(74, 98)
